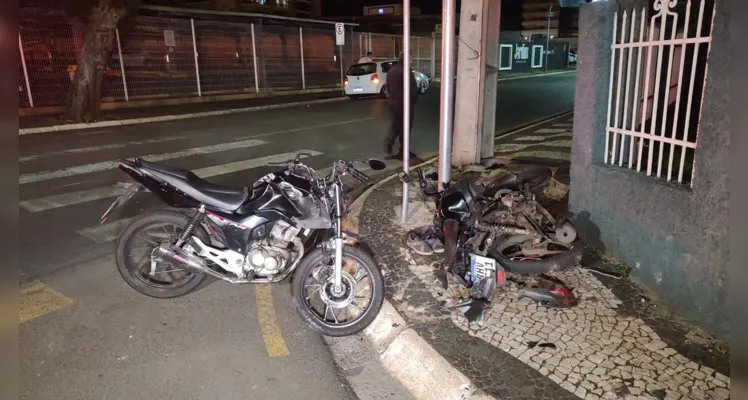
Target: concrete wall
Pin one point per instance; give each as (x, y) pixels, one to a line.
(675, 239)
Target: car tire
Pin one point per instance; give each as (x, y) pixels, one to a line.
(422, 88)
(384, 93)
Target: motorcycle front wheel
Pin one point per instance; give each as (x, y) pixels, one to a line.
(345, 312)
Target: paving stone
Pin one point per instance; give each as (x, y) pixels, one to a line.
(581, 392)
(596, 358)
(699, 375)
(597, 343)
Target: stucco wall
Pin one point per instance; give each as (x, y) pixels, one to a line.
(675, 239)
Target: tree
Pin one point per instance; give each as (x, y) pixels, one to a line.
(102, 18)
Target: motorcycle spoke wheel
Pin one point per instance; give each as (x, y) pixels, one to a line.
(338, 308)
(148, 239)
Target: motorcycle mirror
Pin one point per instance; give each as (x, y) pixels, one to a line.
(376, 165)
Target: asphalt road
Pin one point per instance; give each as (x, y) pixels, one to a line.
(86, 335)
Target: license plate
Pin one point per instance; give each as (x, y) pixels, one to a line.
(482, 267)
(358, 89)
(130, 190)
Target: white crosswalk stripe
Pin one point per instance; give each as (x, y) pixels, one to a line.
(108, 232)
(83, 196)
(93, 149)
(551, 130)
(107, 165)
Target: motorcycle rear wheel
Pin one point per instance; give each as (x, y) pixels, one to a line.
(303, 289)
(136, 273)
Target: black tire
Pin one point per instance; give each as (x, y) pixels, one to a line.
(137, 282)
(384, 93)
(315, 258)
(422, 88)
(556, 263)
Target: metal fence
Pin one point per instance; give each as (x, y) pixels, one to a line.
(663, 61)
(159, 57)
(388, 47)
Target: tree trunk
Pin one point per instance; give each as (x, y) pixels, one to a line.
(85, 92)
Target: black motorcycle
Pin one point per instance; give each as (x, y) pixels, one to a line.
(286, 222)
(500, 227)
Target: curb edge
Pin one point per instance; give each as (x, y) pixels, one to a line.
(403, 353)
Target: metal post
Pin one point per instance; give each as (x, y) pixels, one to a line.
(548, 38)
(301, 45)
(447, 93)
(25, 71)
(121, 64)
(406, 107)
(418, 54)
(254, 58)
(194, 50)
(342, 81)
(370, 43)
(433, 55)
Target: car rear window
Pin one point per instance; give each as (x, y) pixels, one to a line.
(362, 69)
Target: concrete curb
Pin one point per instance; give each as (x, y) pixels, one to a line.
(402, 352)
(161, 118)
(512, 78)
(405, 355)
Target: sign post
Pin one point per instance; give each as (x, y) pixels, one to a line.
(405, 138)
(340, 42)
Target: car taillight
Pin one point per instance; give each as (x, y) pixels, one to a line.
(375, 78)
(345, 81)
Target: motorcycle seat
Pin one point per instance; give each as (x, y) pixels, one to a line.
(533, 176)
(210, 194)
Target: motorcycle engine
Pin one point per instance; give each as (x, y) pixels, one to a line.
(272, 254)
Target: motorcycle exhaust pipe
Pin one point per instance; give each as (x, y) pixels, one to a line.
(193, 263)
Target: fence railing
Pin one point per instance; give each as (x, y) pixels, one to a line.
(162, 57)
(657, 75)
(159, 57)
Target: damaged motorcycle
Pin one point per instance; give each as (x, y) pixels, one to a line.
(287, 222)
(500, 227)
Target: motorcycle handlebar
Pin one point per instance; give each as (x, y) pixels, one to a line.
(358, 174)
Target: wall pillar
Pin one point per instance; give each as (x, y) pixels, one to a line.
(475, 94)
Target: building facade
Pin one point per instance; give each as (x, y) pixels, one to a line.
(294, 8)
(535, 20)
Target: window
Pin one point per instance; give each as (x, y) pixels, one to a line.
(387, 65)
(362, 69)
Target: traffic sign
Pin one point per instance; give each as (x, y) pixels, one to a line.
(339, 34)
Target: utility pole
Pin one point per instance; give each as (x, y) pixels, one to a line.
(548, 38)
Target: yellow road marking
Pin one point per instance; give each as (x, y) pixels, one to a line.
(36, 299)
(271, 332)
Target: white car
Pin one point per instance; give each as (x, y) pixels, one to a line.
(369, 79)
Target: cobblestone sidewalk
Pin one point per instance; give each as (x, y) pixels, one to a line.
(617, 344)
